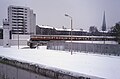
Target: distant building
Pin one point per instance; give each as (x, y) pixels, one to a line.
(104, 23)
(21, 23)
(48, 30)
(45, 30)
(22, 20)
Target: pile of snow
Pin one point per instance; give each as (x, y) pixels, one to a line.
(90, 64)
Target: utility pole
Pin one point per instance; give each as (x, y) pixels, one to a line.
(71, 31)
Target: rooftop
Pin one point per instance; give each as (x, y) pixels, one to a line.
(46, 26)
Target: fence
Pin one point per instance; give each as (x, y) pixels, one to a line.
(1, 42)
(110, 49)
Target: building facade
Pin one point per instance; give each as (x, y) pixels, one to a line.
(22, 20)
(45, 30)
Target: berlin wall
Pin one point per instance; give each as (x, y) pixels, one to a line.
(107, 49)
(13, 69)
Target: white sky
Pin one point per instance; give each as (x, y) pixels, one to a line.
(85, 13)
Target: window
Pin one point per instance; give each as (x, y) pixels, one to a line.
(25, 11)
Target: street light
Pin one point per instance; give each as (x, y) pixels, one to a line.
(18, 33)
(71, 30)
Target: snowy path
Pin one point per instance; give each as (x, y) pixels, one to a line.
(90, 64)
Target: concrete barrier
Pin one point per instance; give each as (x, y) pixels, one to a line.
(1, 42)
(107, 49)
(13, 69)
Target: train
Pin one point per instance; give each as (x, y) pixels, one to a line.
(36, 40)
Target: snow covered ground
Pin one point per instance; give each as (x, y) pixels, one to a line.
(90, 64)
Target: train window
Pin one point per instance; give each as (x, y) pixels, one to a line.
(65, 37)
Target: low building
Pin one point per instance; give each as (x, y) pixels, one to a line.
(45, 30)
(48, 30)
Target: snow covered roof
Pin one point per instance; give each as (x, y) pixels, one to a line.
(46, 26)
(60, 29)
(91, 64)
(104, 31)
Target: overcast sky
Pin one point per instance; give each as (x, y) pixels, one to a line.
(85, 13)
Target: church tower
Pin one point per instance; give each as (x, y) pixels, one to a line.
(104, 23)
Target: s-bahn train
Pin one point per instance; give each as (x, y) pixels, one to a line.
(37, 40)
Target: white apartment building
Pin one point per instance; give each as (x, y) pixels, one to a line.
(22, 20)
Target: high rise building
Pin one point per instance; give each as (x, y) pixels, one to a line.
(104, 23)
(22, 20)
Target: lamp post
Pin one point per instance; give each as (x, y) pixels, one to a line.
(71, 30)
(18, 33)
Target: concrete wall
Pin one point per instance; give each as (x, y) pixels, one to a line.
(21, 42)
(110, 49)
(1, 42)
(15, 42)
(10, 72)
(13, 69)
(22, 39)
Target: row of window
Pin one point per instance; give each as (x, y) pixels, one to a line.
(19, 22)
(19, 11)
(19, 14)
(19, 8)
(19, 19)
(18, 25)
(19, 28)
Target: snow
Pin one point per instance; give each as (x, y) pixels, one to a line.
(46, 26)
(96, 42)
(91, 64)
(66, 29)
(1, 27)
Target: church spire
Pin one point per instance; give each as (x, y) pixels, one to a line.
(104, 23)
